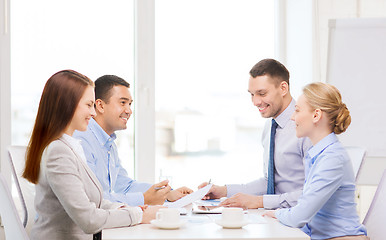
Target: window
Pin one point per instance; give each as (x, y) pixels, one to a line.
(206, 126)
(92, 37)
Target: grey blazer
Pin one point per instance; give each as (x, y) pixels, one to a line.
(69, 199)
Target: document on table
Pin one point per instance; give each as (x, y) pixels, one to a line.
(210, 202)
(190, 198)
(206, 209)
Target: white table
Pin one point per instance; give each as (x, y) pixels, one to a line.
(202, 227)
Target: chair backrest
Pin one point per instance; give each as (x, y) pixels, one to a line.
(356, 154)
(375, 217)
(26, 190)
(9, 216)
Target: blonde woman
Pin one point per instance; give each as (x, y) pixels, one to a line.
(69, 199)
(327, 209)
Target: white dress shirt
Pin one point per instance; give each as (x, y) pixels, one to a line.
(289, 169)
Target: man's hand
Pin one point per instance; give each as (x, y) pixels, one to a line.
(178, 193)
(149, 213)
(243, 200)
(156, 194)
(215, 191)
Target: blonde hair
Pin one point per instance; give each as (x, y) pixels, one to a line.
(328, 99)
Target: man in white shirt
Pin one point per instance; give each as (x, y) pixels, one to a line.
(269, 89)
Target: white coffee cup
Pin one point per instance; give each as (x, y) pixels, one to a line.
(168, 215)
(232, 215)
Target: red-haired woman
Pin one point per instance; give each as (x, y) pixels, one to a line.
(69, 199)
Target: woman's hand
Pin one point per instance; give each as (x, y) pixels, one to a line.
(178, 193)
(269, 213)
(149, 212)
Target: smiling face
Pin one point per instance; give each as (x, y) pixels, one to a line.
(266, 96)
(304, 118)
(83, 112)
(116, 112)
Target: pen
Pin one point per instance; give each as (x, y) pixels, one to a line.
(158, 188)
(209, 181)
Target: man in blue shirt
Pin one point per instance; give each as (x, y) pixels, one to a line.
(269, 89)
(113, 107)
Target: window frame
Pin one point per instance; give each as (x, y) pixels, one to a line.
(5, 89)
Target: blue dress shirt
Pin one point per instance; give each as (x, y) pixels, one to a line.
(102, 157)
(289, 169)
(327, 207)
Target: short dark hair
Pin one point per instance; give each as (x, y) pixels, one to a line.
(272, 68)
(104, 84)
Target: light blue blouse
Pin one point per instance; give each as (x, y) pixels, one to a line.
(327, 207)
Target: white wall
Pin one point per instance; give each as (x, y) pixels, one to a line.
(332, 9)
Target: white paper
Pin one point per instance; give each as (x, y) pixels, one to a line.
(190, 198)
(211, 202)
(206, 209)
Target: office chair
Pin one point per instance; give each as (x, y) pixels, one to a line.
(26, 190)
(356, 154)
(9, 216)
(375, 217)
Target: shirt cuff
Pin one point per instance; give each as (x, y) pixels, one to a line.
(141, 199)
(137, 215)
(271, 201)
(232, 189)
(117, 205)
(279, 213)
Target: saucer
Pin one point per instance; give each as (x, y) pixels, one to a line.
(231, 224)
(167, 225)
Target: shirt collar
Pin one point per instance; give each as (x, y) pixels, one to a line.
(322, 144)
(285, 116)
(103, 138)
(75, 145)
(72, 141)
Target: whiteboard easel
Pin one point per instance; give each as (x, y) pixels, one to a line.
(357, 67)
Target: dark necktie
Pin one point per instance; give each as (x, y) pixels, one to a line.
(271, 164)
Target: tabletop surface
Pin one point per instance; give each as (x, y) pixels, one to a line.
(199, 226)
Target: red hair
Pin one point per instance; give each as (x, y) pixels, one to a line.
(59, 100)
